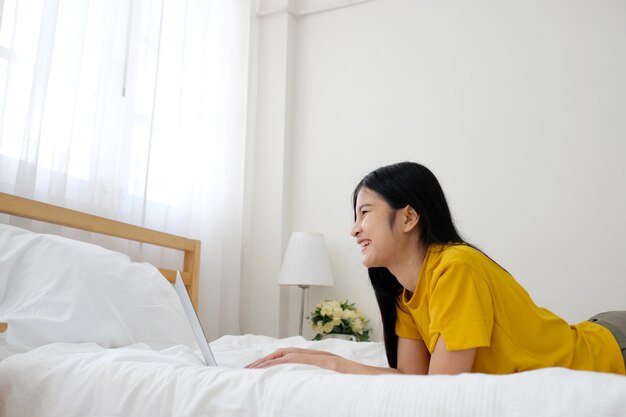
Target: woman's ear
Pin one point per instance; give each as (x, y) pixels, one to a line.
(410, 219)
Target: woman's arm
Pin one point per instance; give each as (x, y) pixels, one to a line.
(450, 362)
(413, 358)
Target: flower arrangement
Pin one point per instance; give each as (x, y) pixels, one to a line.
(339, 317)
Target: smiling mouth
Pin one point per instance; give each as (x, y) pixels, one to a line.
(365, 243)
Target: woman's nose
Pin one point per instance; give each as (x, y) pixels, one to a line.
(356, 229)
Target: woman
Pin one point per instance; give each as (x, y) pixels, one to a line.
(446, 307)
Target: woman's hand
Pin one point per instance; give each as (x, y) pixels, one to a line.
(319, 358)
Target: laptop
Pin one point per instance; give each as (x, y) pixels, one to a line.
(179, 285)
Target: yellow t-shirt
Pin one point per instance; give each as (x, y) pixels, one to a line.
(472, 302)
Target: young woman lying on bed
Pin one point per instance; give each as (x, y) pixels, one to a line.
(446, 307)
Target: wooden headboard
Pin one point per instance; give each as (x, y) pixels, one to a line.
(48, 213)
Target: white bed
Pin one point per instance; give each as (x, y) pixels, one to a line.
(91, 333)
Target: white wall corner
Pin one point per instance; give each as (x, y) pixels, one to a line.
(310, 6)
(267, 7)
(267, 224)
(299, 8)
(270, 4)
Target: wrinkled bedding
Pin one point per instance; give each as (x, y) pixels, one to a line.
(84, 379)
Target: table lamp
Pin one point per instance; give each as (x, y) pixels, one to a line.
(306, 263)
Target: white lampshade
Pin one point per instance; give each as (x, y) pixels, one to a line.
(306, 261)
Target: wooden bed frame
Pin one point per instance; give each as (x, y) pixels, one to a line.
(48, 213)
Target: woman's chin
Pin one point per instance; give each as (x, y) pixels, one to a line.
(369, 263)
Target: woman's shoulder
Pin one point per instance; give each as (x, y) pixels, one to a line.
(458, 254)
(456, 251)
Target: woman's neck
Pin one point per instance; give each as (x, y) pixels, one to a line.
(408, 266)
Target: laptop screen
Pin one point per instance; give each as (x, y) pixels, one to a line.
(193, 320)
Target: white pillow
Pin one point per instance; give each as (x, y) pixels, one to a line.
(54, 289)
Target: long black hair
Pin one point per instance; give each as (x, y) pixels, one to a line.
(402, 184)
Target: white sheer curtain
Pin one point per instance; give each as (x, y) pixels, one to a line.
(133, 110)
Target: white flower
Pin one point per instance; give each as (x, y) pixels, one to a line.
(348, 314)
(326, 310)
(357, 325)
(328, 327)
(341, 315)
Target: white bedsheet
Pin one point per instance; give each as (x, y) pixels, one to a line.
(87, 380)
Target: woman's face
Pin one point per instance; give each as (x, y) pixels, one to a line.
(375, 229)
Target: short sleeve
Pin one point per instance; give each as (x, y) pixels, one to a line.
(461, 308)
(405, 323)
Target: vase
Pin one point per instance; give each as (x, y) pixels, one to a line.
(348, 337)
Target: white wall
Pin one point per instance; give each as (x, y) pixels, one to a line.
(517, 106)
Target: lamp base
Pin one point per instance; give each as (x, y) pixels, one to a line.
(304, 291)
